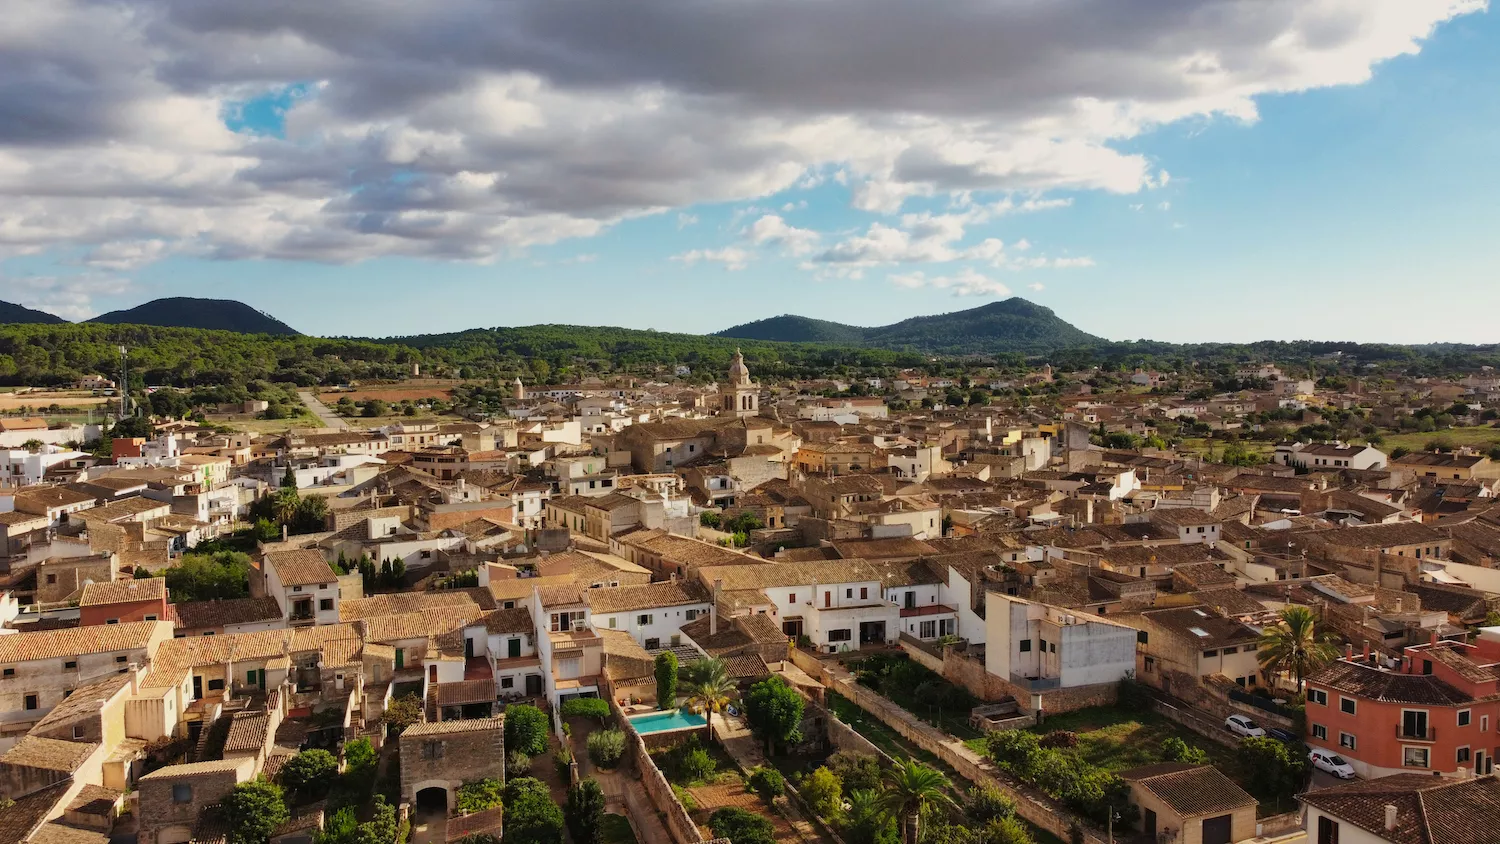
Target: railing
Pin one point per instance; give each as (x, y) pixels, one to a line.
(1039, 684)
(1430, 734)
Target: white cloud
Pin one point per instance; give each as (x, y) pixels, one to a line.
(771, 230)
(1070, 263)
(459, 129)
(966, 282)
(586, 258)
(1137, 206)
(70, 297)
(732, 257)
(1164, 206)
(685, 219)
(794, 206)
(1036, 286)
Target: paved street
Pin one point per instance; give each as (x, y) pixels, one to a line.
(323, 411)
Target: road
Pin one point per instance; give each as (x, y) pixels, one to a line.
(323, 412)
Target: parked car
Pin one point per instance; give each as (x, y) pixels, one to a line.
(1241, 725)
(1325, 760)
(1283, 735)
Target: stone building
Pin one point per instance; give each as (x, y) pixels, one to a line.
(444, 755)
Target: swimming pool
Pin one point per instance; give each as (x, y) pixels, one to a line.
(660, 722)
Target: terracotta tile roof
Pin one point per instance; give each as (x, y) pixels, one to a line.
(301, 568)
(247, 733)
(51, 496)
(767, 575)
(123, 592)
(1429, 810)
(560, 596)
(649, 596)
(1190, 790)
(73, 641)
(466, 691)
(200, 614)
(441, 728)
(403, 602)
(49, 754)
(23, 817)
(85, 700)
(420, 624)
(53, 832)
(193, 768)
(514, 620)
(1388, 687)
(1381, 536)
(1216, 630)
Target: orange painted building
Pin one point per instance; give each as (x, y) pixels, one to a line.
(123, 601)
(1437, 709)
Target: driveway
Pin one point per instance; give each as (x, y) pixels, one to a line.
(323, 412)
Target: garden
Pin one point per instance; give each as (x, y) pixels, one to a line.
(918, 690)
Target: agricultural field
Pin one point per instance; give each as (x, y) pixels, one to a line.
(13, 399)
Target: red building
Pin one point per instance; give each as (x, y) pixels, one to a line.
(123, 601)
(1434, 710)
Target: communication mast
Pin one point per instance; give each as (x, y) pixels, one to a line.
(124, 383)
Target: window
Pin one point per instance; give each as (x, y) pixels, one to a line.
(111, 621)
(51, 578)
(848, 593)
(864, 592)
(1346, 705)
(31, 701)
(216, 685)
(1320, 732)
(611, 622)
(1209, 653)
(1328, 831)
(70, 664)
(1025, 646)
(78, 732)
(151, 618)
(792, 598)
(1463, 717)
(10, 672)
(1151, 664)
(1484, 723)
(645, 619)
(1346, 740)
(296, 588)
(1414, 757)
(1228, 651)
(1317, 696)
(1052, 648)
(841, 635)
(182, 793)
(432, 750)
(1463, 755)
(1141, 637)
(928, 630)
(653, 644)
(325, 604)
(692, 614)
(120, 659)
(507, 682)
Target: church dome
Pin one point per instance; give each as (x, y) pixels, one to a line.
(738, 372)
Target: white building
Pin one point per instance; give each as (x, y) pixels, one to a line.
(652, 614)
(304, 584)
(1040, 646)
(1330, 456)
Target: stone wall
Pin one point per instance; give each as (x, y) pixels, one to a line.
(448, 754)
(963, 670)
(654, 784)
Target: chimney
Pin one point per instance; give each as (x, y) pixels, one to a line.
(283, 533)
(1390, 817)
(713, 609)
(135, 678)
(1434, 637)
(1366, 656)
(1348, 650)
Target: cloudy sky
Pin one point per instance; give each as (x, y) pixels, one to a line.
(1172, 169)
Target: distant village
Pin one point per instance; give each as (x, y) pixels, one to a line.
(1253, 574)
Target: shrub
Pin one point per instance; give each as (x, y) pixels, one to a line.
(526, 729)
(478, 795)
(1175, 749)
(767, 782)
(696, 765)
(988, 803)
(1060, 738)
(517, 764)
(856, 771)
(584, 812)
(823, 792)
(685, 797)
(1271, 769)
(254, 809)
(741, 827)
(1013, 750)
(1007, 830)
(563, 759)
(774, 710)
(606, 747)
(586, 707)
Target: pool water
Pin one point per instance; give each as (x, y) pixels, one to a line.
(657, 722)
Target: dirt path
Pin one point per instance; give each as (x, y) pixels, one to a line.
(323, 412)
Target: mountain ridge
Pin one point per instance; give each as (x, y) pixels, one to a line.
(15, 314)
(1011, 325)
(195, 312)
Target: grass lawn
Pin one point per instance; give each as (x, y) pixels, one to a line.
(1485, 438)
(615, 829)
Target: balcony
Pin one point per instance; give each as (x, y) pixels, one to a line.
(1405, 734)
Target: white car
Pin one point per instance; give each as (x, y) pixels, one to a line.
(1332, 763)
(1241, 725)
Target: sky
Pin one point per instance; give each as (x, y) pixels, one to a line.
(1180, 170)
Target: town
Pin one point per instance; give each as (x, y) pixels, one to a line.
(1024, 606)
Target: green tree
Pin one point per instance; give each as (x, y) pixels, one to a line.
(823, 792)
(1294, 645)
(773, 710)
(308, 775)
(909, 787)
(710, 689)
(1271, 768)
(253, 810)
(767, 782)
(222, 575)
(584, 812)
(866, 821)
(530, 815)
(381, 828)
(741, 827)
(340, 827)
(526, 729)
(1175, 749)
(407, 710)
(375, 408)
(666, 680)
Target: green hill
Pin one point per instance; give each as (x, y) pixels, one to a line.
(1014, 325)
(189, 312)
(11, 313)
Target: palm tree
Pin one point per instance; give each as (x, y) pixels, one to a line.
(908, 787)
(1294, 645)
(710, 688)
(865, 818)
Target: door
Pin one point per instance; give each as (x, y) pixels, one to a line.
(1414, 724)
(197, 687)
(400, 659)
(1216, 830)
(911, 600)
(468, 649)
(513, 648)
(432, 673)
(1150, 823)
(533, 685)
